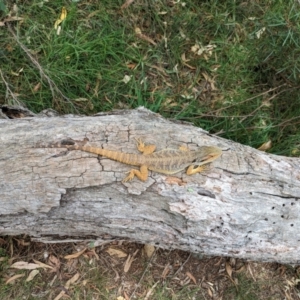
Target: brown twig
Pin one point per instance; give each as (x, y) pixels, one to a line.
(8, 90)
(146, 269)
(53, 87)
(258, 108)
(181, 267)
(246, 100)
(260, 127)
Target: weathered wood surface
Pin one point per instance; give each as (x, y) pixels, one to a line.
(246, 206)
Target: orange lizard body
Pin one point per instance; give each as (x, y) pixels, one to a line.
(168, 161)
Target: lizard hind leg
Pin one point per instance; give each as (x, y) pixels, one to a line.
(141, 174)
(145, 149)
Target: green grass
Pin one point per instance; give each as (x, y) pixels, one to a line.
(245, 290)
(244, 87)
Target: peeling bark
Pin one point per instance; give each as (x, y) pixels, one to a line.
(247, 205)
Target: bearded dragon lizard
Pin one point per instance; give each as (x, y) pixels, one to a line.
(168, 161)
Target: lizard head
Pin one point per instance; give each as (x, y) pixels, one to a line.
(208, 154)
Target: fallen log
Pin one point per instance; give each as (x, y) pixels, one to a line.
(247, 205)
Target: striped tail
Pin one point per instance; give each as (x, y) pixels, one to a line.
(126, 158)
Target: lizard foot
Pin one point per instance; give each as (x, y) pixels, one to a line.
(145, 149)
(141, 174)
(192, 170)
(129, 177)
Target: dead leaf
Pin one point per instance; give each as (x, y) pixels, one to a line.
(72, 280)
(137, 30)
(9, 48)
(249, 269)
(184, 61)
(95, 254)
(189, 66)
(191, 277)
(17, 73)
(166, 271)
(23, 265)
(32, 274)
(126, 4)
(21, 241)
(96, 89)
(116, 252)
(62, 17)
(72, 265)
(81, 99)
(117, 277)
(106, 98)
(75, 255)
(260, 32)
(160, 69)
(81, 102)
(228, 269)
(209, 291)
(42, 265)
(131, 66)
(12, 279)
(13, 18)
(265, 146)
(215, 67)
(169, 102)
(195, 48)
(205, 51)
(149, 250)
(128, 263)
(209, 80)
(174, 180)
(67, 286)
(140, 35)
(36, 87)
(183, 58)
(54, 262)
(241, 269)
(149, 293)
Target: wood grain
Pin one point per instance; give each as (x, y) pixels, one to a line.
(247, 205)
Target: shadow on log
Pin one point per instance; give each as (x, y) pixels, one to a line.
(246, 205)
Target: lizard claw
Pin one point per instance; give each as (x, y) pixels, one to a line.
(140, 144)
(129, 177)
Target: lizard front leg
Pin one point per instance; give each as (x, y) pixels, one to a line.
(145, 149)
(192, 170)
(141, 174)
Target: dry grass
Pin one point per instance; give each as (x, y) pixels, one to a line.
(107, 272)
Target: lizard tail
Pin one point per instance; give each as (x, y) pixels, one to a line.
(126, 158)
(70, 144)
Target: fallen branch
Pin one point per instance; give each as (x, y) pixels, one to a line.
(247, 205)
